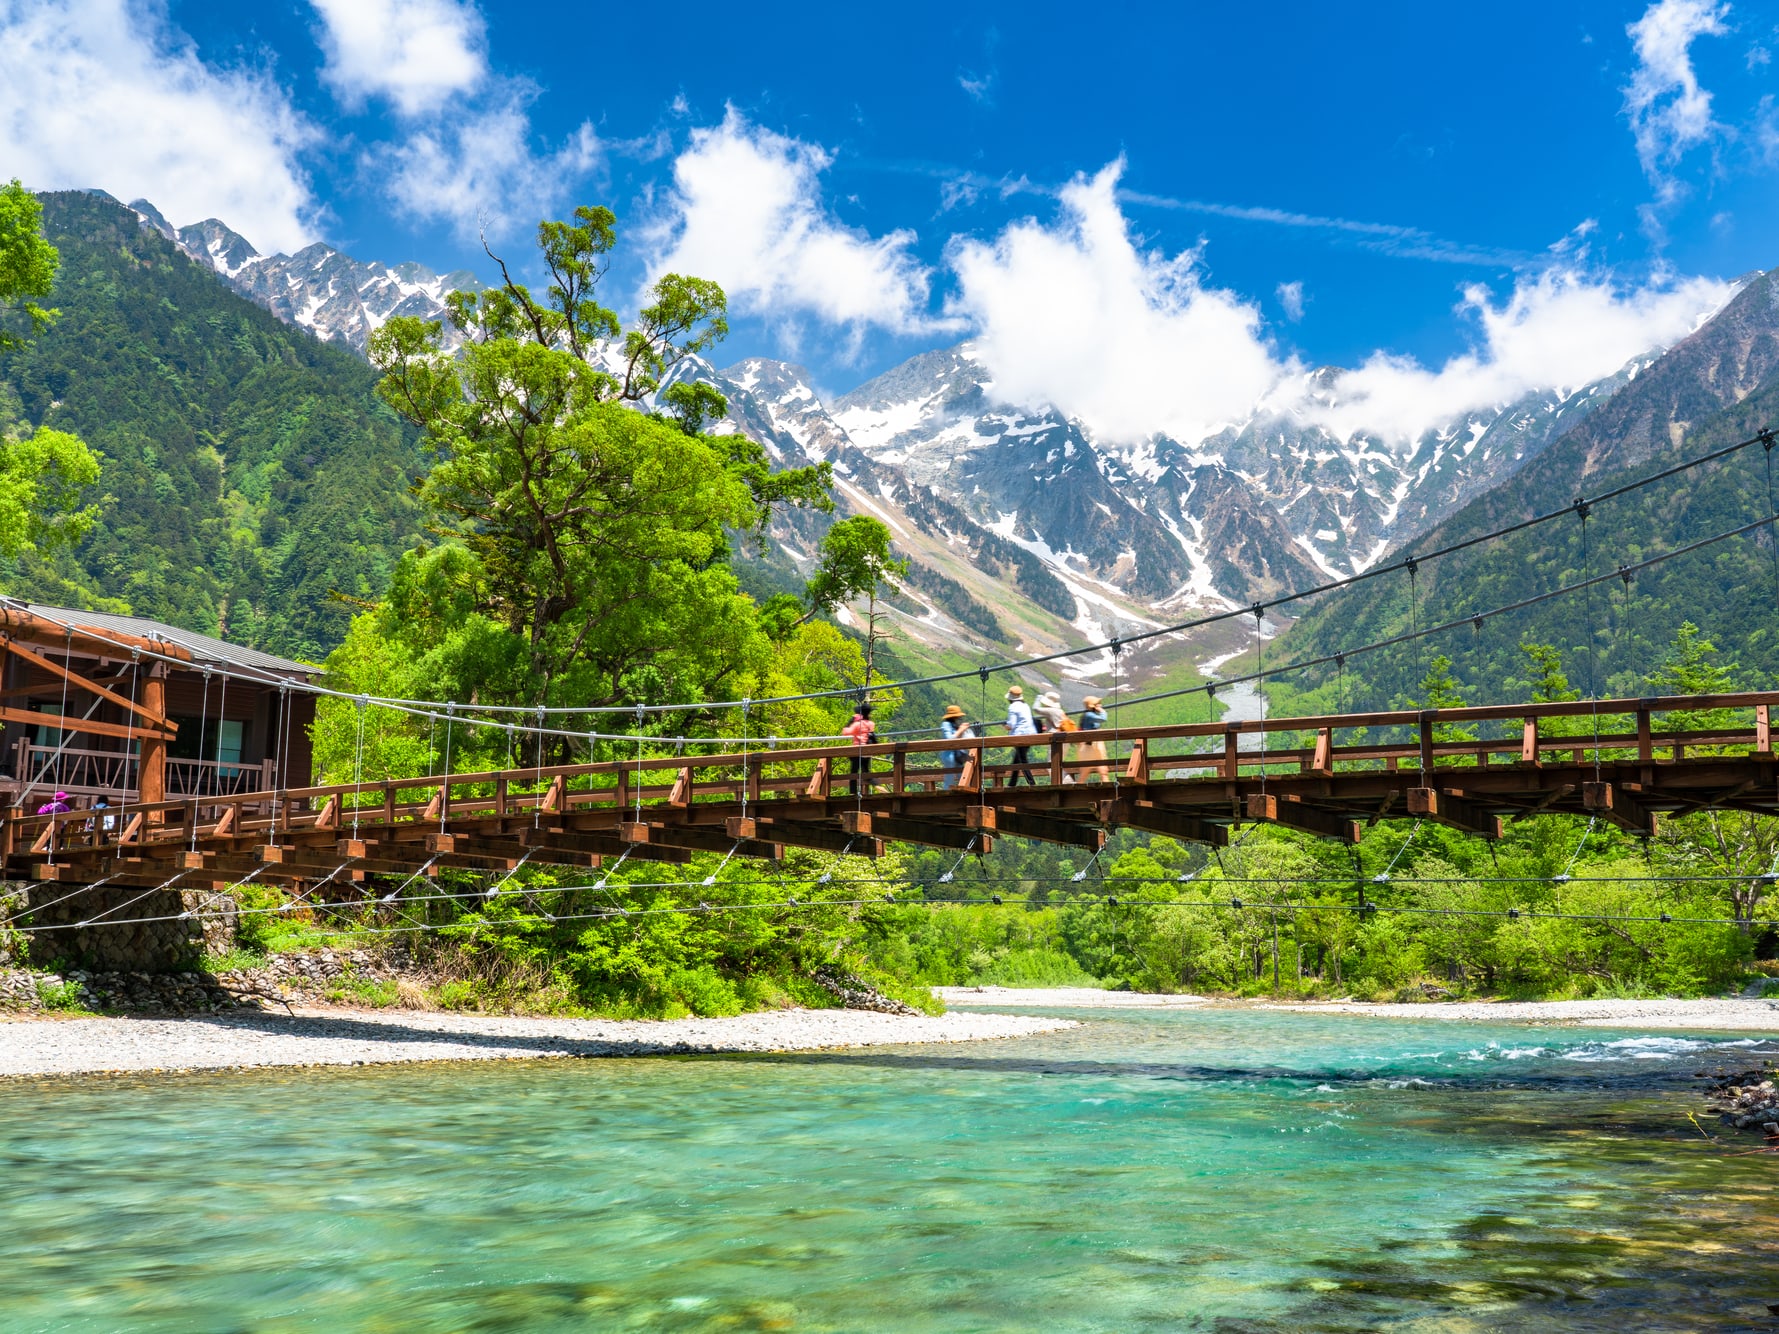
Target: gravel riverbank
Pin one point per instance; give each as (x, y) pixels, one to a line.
(1066, 998)
(1739, 1014)
(1717, 1014)
(34, 1047)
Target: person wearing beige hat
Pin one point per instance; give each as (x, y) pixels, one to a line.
(1093, 718)
(1020, 723)
(953, 727)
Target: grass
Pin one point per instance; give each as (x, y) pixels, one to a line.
(63, 997)
(237, 959)
(375, 995)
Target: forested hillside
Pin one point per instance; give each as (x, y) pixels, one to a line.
(250, 473)
(1716, 388)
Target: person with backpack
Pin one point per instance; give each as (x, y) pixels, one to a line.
(1093, 718)
(1052, 717)
(953, 727)
(863, 731)
(1020, 723)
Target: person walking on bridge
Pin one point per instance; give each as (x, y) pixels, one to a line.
(863, 731)
(953, 727)
(1019, 723)
(1093, 718)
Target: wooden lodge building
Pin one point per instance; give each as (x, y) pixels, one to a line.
(93, 704)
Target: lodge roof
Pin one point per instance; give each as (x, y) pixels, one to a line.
(203, 648)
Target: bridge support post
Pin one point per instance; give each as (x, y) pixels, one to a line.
(151, 773)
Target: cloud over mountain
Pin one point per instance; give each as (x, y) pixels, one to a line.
(746, 209)
(106, 93)
(1074, 315)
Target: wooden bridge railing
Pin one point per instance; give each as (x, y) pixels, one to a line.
(766, 775)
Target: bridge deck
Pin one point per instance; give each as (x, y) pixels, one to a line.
(1329, 776)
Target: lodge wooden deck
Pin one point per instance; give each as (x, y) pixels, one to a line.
(1329, 776)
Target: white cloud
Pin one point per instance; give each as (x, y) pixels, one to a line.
(1557, 330)
(479, 171)
(1668, 110)
(746, 209)
(102, 93)
(1291, 300)
(417, 53)
(1132, 343)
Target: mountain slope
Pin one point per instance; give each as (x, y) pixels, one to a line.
(1717, 387)
(250, 471)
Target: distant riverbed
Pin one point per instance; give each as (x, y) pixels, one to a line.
(1160, 1168)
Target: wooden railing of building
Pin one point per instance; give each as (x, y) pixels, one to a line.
(31, 638)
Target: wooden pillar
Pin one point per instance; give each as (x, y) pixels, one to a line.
(151, 775)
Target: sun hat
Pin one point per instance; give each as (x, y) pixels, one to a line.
(952, 711)
(1090, 702)
(1015, 692)
(61, 796)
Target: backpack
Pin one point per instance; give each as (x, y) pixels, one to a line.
(1068, 725)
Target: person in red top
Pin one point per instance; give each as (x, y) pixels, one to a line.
(863, 731)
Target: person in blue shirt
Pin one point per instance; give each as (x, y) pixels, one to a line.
(953, 727)
(1093, 718)
(1019, 723)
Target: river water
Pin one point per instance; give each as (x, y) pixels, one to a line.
(1212, 1169)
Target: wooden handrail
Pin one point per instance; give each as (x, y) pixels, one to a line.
(679, 774)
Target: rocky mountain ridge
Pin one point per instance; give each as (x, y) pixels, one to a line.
(335, 297)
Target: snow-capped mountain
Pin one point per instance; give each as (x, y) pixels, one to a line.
(337, 298)
(1023, 512)
(1272, 504)
(1023, 528)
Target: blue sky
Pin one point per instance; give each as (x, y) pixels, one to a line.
(1431, 191)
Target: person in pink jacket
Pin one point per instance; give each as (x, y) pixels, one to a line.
(862, 730)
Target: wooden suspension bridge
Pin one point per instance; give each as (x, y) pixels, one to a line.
(1628, 762)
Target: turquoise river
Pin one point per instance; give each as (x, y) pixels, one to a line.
(1223, 1169)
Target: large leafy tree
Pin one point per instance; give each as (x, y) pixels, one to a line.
(596, 508)
(43, 473)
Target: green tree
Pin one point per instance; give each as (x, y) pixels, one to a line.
(856, 563)
(1691, 668)
(27, 261)
(1440, 690)
(43, 473)
(599, 531)
(1550, 683)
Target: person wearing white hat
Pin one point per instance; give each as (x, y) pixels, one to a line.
(1020, 723)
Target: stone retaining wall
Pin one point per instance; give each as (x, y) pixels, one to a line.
(128, 930)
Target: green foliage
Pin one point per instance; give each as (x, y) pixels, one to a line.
(43, 477)
(62, 996)
(350, 989)
(249, 471)
(27, 263)
(855, 563)
(597, 535)
(44, 474)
